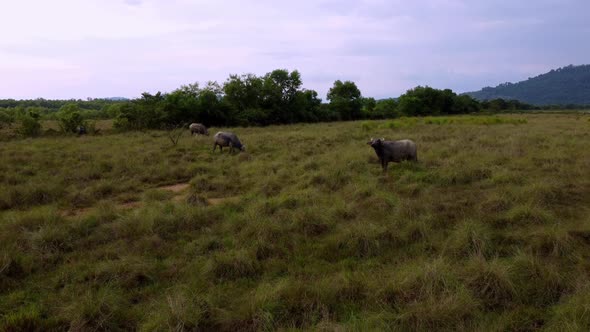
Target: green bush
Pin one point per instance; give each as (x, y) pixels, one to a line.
(29, 124)
(70, 118)
(5, 119)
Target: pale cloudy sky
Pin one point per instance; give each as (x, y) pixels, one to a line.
(102, 48)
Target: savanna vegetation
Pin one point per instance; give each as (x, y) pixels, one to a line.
(490, 230)
(277, 97)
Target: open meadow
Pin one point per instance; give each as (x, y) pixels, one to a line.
(490, 230)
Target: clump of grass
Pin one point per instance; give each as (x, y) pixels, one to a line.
(157, 195)
(400, 123)
(182, 309)
(175, 220)
(419, 282)
(126, 272)
(368, 125)
(51, 240)
(446, 312)
(31, 194)
(520, 318)
(526, 214)
(429, 295)
(554, 241)
(30, 318)
(289, 302)
(572, 313)
(102, 309)
(536, 283)
(233, 265)
(470, 238)
(474, 120)
(490, 282)
(333, 180)
(362, 241)
(463, 176)
(311, 223)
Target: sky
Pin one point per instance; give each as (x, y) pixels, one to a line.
(63, 49)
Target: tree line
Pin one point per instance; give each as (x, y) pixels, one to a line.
(277, 97)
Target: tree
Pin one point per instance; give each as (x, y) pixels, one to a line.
(411, 105)
(308, 106)
(180, 106)
(279, 93)
(243, 92)
(70, 118)
(29, 124)
(369, 104)
(385, 109)
(464, 104)
(148, 112)
(345, 99)
(421, 101)
(212, 110)
(5, 119)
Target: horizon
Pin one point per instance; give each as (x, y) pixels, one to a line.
(123, 98)
(128, 47)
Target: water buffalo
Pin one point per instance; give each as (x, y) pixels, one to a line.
(395, 151)
(197, 128)
(227, 139)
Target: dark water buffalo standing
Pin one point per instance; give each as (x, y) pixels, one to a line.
(227, 139)
(395, 151)
(197, 128)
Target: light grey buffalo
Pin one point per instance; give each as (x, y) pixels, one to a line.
(395, 151)
(197, 128)
(227, 139)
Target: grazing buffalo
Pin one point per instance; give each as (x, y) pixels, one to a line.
(227, 139)
(395, 151)
(81, 130)
(197, 128)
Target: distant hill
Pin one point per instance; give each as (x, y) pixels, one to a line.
(563, 86)
(117, 98)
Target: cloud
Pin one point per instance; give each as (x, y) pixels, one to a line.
(124, 47)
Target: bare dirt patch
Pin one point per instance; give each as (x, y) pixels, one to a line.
(221, 200)
(81, 212)
(176, 188)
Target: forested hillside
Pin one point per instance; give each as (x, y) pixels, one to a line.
(563, 86)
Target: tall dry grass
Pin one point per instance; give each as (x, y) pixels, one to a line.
(489, 231)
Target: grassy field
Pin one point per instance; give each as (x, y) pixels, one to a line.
(490, 230)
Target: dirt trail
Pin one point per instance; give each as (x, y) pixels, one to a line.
(178, 189)
(76, 212)
(221, 200)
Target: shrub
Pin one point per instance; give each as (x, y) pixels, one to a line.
(29, 124)
(5, 119)
(70, 118)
